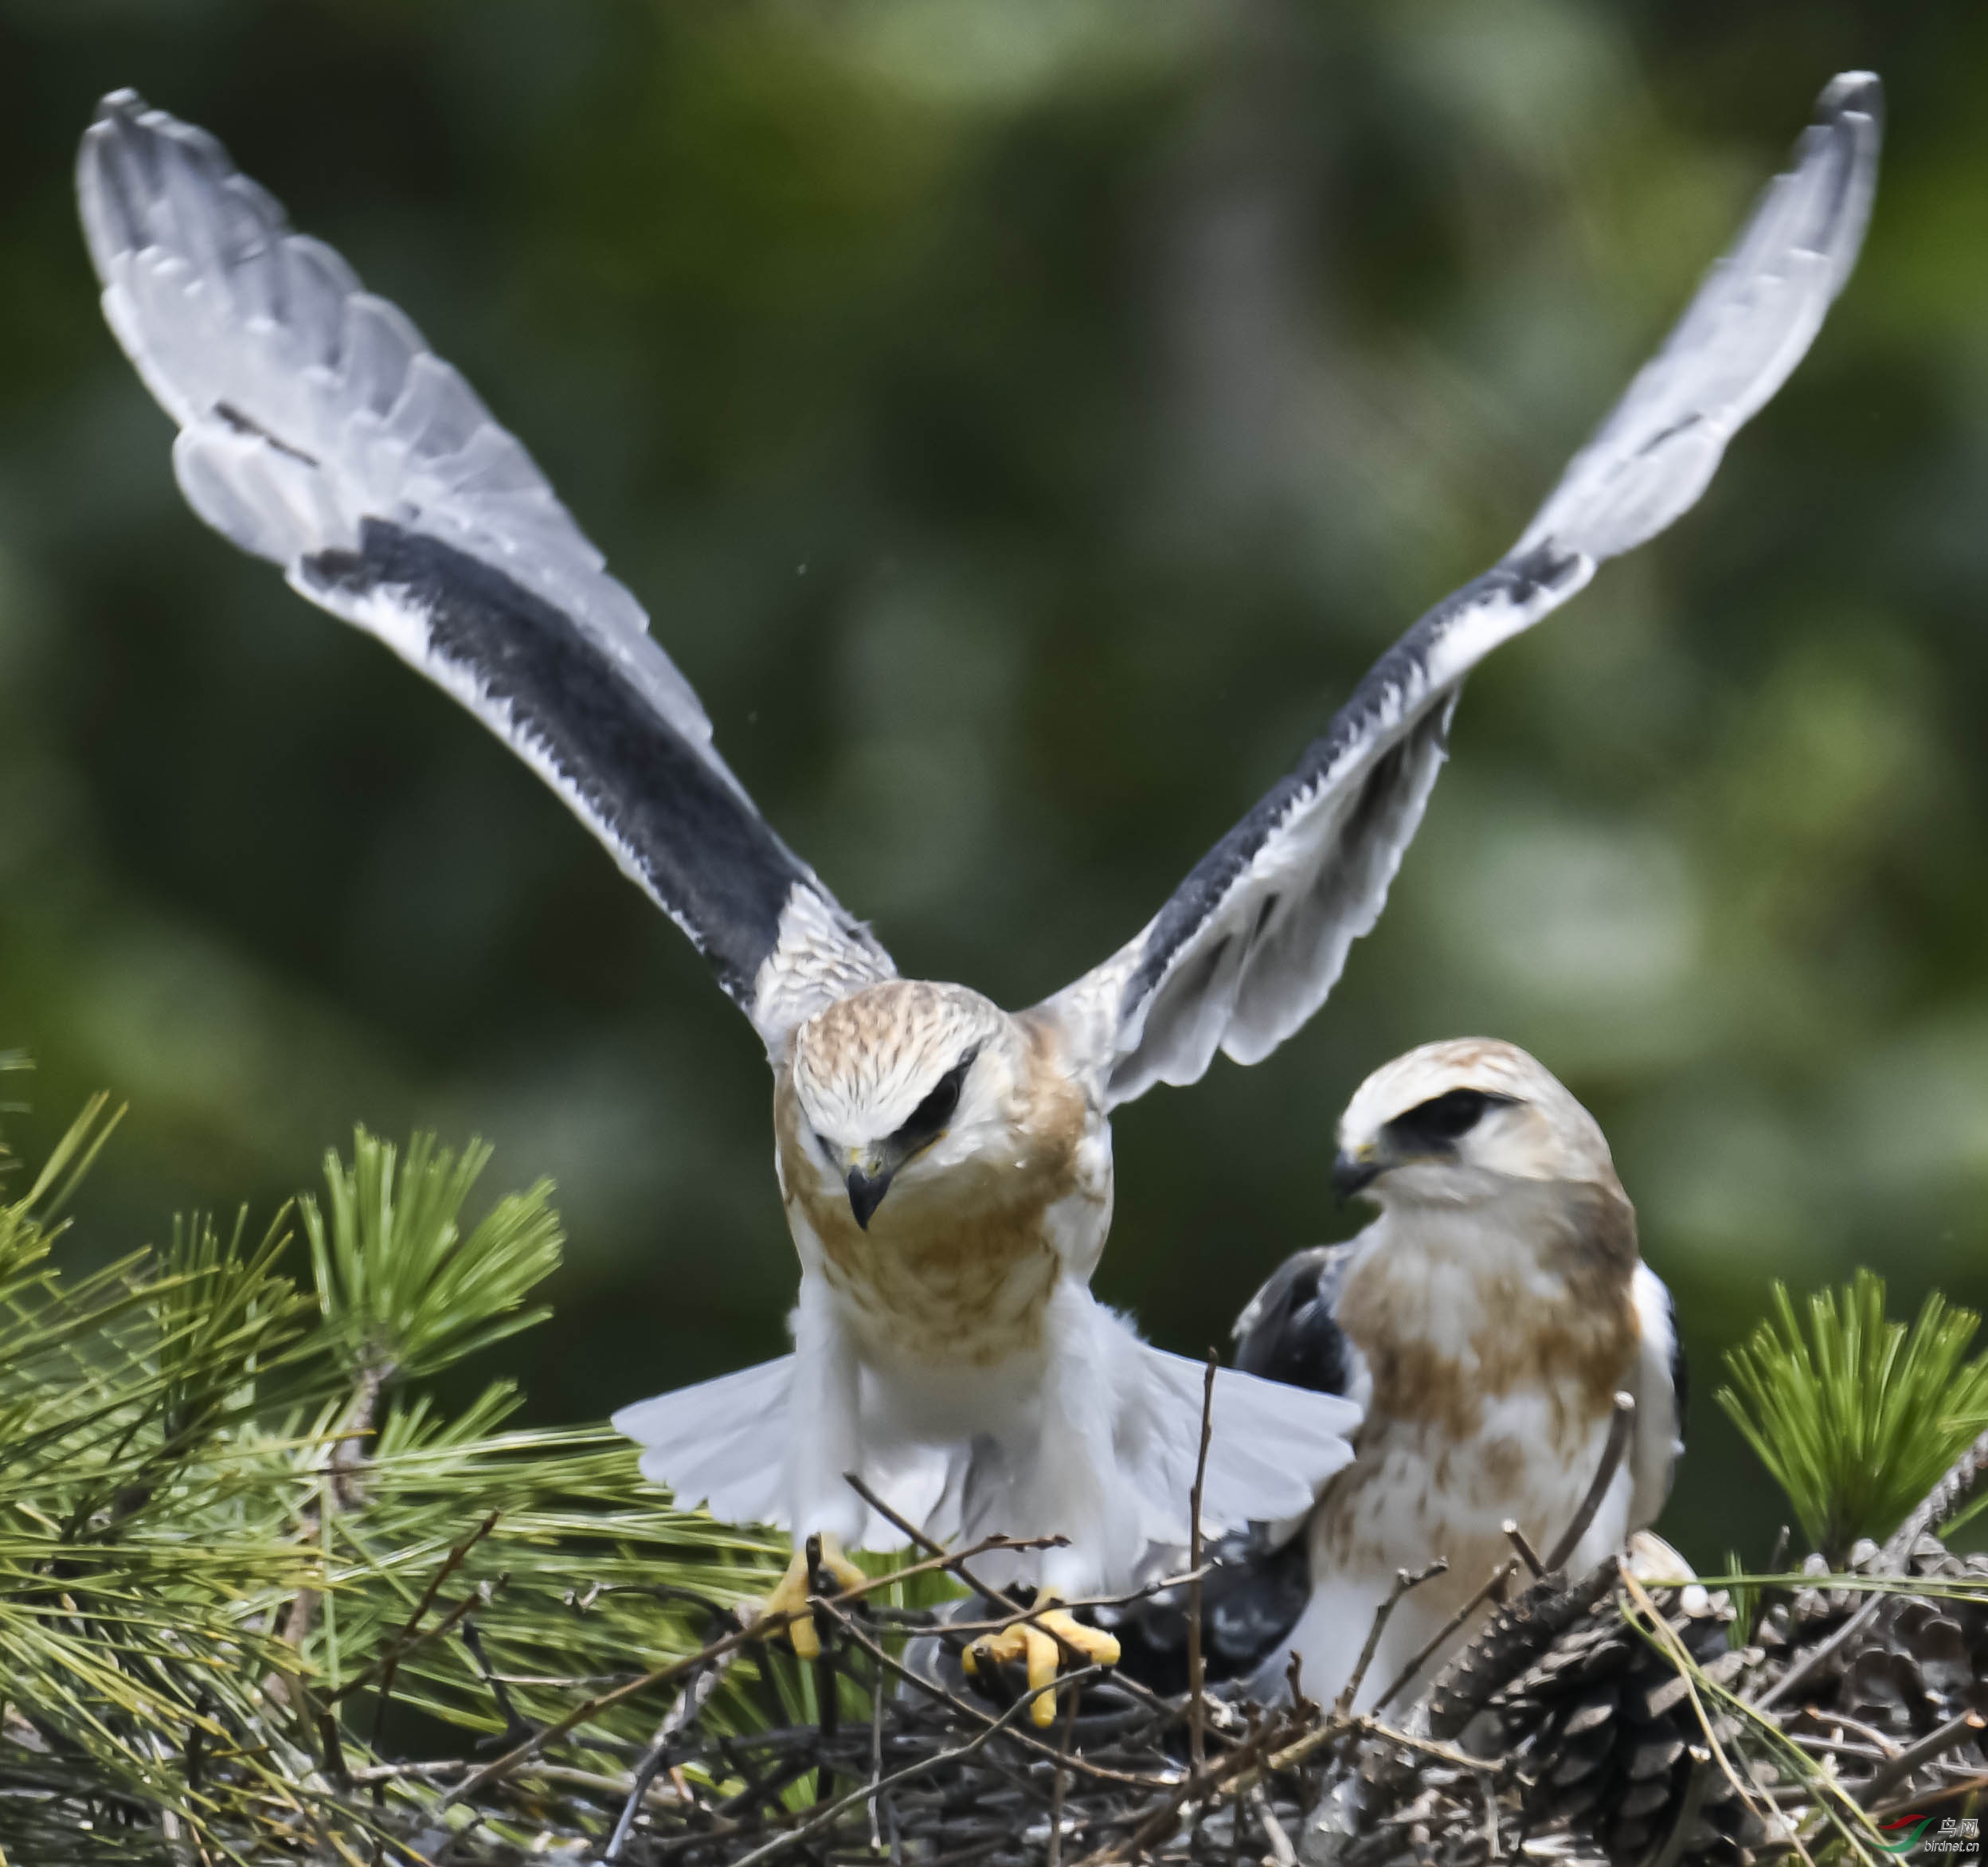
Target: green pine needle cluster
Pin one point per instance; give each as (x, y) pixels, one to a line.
(243, 1557)
(394, 1268)
(1857, 1416)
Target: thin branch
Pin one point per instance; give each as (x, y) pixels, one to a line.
(1404, 1581)
(1887, 1777)
(1197, 1703)
(697, 1690)
(447, 1625)
(1528, 1554)
(1819, 1656)
(937, 1551)
(675, 1669)
(1619, 1427)
(1280, 1849)
(1490, 1586)
(1368, 1725)
(1056, 1786)
(1924, 1799)
(825, 1817)
(876, 1755)
(827, 1693)
(389, 1661)
(1027, 1740)
(1842, 1722)
(1194, 1788)
(928, 1623)
(884, 1511)
(1837, 1747)
(507, 1706)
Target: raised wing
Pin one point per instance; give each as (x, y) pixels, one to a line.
(318, 430)
(1252, 941)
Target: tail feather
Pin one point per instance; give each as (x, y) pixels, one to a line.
(1271, 1447)
(721, 1443)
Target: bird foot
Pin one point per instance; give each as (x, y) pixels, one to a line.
(790, 1596)
(1040, 1644)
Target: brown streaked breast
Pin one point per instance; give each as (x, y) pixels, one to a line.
(955, 1270)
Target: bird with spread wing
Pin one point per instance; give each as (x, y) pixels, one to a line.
(945, 1165)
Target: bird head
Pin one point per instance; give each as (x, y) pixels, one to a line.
(1456, 1122)
(906, 1085)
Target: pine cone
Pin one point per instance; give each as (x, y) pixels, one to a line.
(1604, 1731)
(1920, 1662)
(1601, 1753)
(1598, 1753)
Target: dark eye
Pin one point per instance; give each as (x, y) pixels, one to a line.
(937, 1109)
(1443, 1119)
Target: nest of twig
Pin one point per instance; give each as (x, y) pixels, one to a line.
(1596, 1719)
(231, 1635)
(1593, 1720)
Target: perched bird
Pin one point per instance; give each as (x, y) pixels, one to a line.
(1484, 1324)
(945, 1165)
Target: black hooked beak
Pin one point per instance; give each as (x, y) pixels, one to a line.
(1354, 1171)
(866, 1192)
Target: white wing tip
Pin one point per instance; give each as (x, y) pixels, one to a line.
(125, 126)
(1852, 93)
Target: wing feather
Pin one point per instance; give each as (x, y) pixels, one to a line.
(1251, 943)
(1289, 1331)
(1660, 1400)
(318, 430)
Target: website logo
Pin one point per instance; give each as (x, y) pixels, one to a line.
(1952, 1834)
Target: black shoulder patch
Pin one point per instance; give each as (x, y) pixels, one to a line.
(1680, 1373)
(1290, 1332)
(1250, 1601)
(705, 854)
(1380, 688)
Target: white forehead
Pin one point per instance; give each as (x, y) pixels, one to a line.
(1494, 1067)
(862, 1065)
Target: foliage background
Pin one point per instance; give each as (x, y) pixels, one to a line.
(1024, 420)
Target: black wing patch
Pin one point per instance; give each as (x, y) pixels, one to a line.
(1680, 1377)
(1251, 943)
(1290, 1333)
(691, 839)
(1258, 1588)
(319, 430)
(1375, 704)
(1250, 1601)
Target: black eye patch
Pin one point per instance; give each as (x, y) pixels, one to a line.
(937, 1109)
(1434, 1126)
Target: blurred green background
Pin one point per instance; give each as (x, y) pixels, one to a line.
(1024, 420)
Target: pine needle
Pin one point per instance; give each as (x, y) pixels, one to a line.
(1856, 1417)
(201, 1539)
(393, 1266)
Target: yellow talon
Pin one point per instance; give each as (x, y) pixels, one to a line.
(791, 1595)
(1037, 1644)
